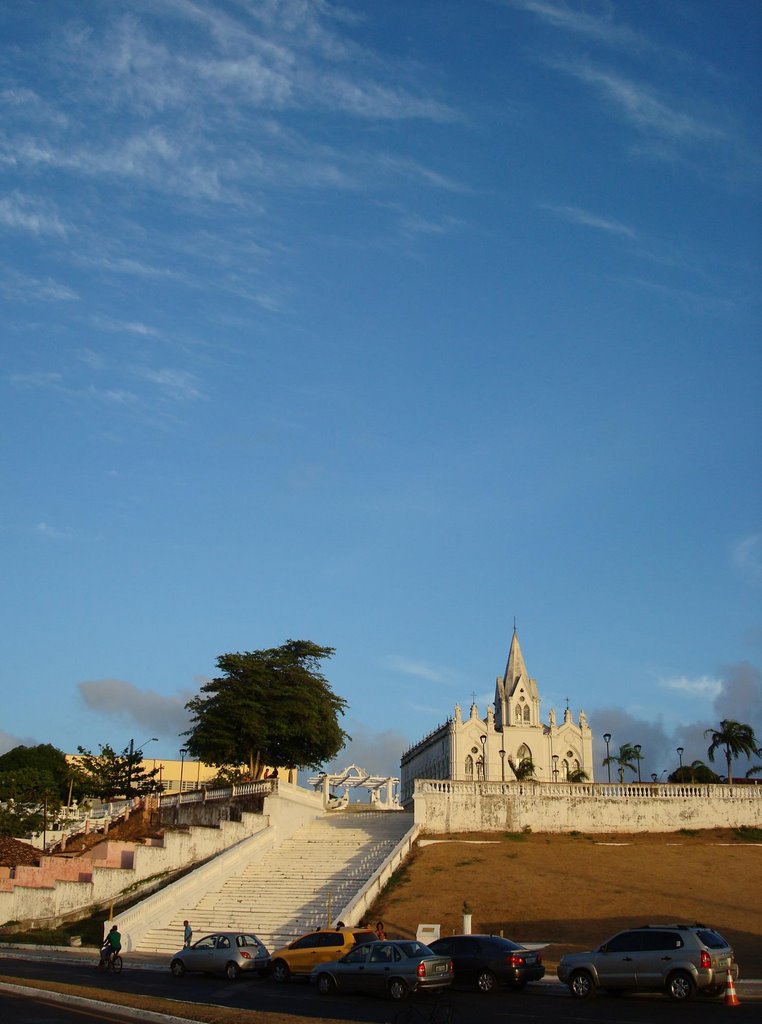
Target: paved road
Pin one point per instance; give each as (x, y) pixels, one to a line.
(545, 1002)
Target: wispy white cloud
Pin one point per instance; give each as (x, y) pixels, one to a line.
(703, 686)
(175, 384)
(27, 213)
(746, 556)
(600, 26)
(640, 105)
(126, 327)
(412, 667)
(53, 532)
(24, 288)
(591, 220)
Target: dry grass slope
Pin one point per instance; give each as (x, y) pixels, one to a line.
(575, 890)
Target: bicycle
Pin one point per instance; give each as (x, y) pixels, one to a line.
(113, 962)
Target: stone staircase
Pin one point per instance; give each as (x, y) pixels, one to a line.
(295, 887)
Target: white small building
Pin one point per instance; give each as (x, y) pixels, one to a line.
(501, 745)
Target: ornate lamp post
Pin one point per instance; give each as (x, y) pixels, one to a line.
(680, 751)
(555, 767)
(637, 748)
(483, 741)
(607, 740)
(502, 763)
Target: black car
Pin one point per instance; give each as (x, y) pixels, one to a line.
(487, 961)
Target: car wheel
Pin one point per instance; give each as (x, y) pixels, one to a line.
(178, 968)
(581, 984)
(680, 986)
(397, 989)
(486, 981)
(232, 971)
(280, 971)
(325, 984)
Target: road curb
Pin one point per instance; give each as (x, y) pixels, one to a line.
(62, 999)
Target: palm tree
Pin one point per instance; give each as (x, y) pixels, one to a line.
(577, 775)
(736, 738)
(524, 770)
(627, 757)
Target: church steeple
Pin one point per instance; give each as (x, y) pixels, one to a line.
(516, 699)
(515, 668)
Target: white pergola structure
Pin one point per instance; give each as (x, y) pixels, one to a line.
(382, 789)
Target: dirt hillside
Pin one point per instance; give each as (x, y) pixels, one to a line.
(573, 891)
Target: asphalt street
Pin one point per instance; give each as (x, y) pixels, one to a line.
(149, 975)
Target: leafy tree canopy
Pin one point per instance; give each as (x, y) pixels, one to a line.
(697, 771)
(271, 707)
(45, 758)
(109, 774)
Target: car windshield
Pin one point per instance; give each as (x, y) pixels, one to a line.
(711, 939)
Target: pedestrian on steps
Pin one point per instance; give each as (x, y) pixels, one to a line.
(187, 934)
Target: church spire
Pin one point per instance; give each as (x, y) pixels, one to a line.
(515, 667)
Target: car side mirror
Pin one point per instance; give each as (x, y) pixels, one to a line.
(602, 948)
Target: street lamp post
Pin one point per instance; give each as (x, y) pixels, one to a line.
(183, 752)
(555, 767)
(680, 751)
(637, 748)
(483, 740)
(607, 739)
(133, 748)
(502, 764)
(654, 777)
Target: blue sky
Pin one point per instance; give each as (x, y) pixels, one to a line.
(379, 325)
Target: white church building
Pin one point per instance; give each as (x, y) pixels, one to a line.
(499, 746)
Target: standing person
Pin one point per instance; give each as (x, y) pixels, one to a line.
(187, 934)
(380, 933)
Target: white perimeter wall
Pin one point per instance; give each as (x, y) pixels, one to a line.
(447, 806)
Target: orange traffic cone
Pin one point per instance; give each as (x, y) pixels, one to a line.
(731, 999)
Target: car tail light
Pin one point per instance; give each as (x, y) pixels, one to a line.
(452, 967)
(421, 969)
(705, 959)
(244, 954)
(515, 960)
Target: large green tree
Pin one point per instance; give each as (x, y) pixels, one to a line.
(271, 707)
(43, 757)
(109, 774)
(735, 739)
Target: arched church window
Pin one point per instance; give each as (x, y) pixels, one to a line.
(523, 752)
(518, 714)
(526, 713)
(469, 767)
(565, 768)
(479, 768)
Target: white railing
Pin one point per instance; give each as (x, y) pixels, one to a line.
(262, 787)
(595, 790)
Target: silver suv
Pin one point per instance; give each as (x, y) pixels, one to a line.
(678, 959)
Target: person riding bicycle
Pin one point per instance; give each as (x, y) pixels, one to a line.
(111, 946)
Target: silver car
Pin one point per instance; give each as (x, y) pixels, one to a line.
(679, 959)
(227, 953)
(389, 968)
